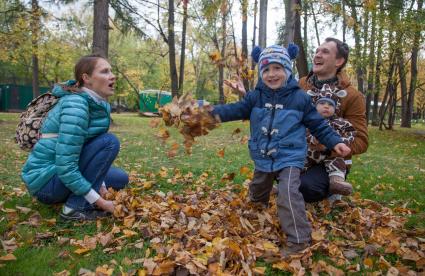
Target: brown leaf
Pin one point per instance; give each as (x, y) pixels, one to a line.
(150, 265)
(154, 122)
(24, 210)
(368, 262)
(62, 273)
(81, 251)
(9, 245)
(220, 153)
(105, 239)
(85, 272)
(104, 270)
(8, 257)
(164, 268)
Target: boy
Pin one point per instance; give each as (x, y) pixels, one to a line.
(279, 112)
(327, 102)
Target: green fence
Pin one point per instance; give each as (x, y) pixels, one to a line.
(16, 97)
(151, 100)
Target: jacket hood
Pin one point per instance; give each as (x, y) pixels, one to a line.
(66, 88)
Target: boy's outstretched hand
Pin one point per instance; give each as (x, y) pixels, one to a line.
(342, 149)
(236, 85)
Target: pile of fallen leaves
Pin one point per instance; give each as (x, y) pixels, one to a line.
(191, 119)
(218, 232)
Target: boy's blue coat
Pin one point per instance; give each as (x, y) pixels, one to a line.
(76, 118)
(278, 121)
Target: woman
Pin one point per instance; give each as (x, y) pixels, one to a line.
(72, 161)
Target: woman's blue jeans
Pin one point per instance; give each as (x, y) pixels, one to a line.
(95, 165)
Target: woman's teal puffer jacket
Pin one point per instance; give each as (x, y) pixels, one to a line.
(76, 118)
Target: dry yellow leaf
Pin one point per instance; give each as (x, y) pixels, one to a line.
(8, 257)
(81, 251)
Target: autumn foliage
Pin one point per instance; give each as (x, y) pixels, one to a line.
(191, 119)
(220, 233)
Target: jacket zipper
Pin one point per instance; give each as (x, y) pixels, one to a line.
(269, 136)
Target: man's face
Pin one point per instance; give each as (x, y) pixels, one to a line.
(325, 62)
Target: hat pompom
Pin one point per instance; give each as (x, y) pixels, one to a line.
(293, 50)
(255, 54)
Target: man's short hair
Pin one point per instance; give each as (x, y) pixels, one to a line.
(342, 50)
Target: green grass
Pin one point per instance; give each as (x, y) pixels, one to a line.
(392, 172)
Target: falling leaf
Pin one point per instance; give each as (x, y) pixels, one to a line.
(154, 122)
(215, 56)
(163, 134)
(236, 131)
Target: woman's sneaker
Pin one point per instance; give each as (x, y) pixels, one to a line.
(82, 215)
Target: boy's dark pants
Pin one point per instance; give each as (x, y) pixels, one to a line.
(290, 202)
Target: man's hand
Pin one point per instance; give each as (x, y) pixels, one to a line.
(342, 149)
(105, 205)
(236, 85)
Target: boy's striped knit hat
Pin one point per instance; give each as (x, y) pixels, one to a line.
(275, 54)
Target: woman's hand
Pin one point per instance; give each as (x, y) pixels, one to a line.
(342, 149)
(103, 191)
(105, 205)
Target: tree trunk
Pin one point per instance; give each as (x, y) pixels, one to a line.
(183, 48)
(289, 22)
(315, 24)
(262, 31)
(302, 66)
(403, 87)
(377, 89)
(344, 22)
(388, 89)
(251, 83)
(244, 4)
(371, 71)
(172, 50)
(222, 52)
(305, 24)
(414, 66)
(35, 28)
(100, 28)
(358, 53)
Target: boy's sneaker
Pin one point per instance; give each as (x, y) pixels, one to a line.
(338, 185)
(293, 249)
(80, 215)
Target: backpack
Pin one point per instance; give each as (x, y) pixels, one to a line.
(30, 121)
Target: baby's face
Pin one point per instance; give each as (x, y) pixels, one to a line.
(325, 109)
(274, 76)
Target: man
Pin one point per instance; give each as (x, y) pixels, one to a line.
(328, 62)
